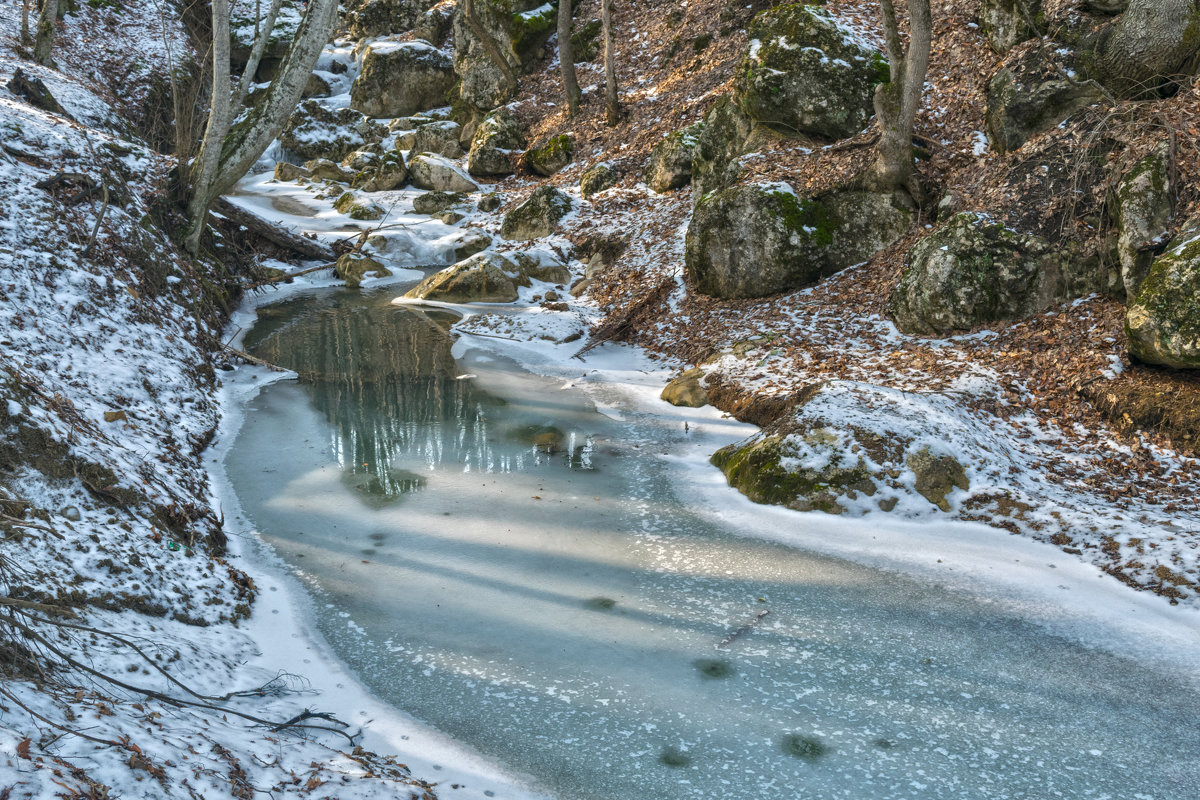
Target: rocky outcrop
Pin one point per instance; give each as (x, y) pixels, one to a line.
(536, 217)
(493, 146)
(1032, 92)
(1007, 23)
(438, 137)
(803, 74)
(726, 135)
(1143, 211)
(482, 278)
(314, 131)
(596, 179)
(760, 239)
(670, 163)
(974, 271)
(436, 24)
(402, 78)
(439, 174)
(519, 28)
(353, 268)
(382, 17)
(1163, 322)
(686, 390)
(551, 156)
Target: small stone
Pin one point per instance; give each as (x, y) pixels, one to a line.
(71, 513)
(116, 416)
(686, 390)
(490, 202)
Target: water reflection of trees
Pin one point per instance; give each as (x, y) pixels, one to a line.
(384, 378)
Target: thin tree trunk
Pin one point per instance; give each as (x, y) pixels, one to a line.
(45, 33)
(26, 38)
(613, 115)
(566, 57)
(897, 102)
(491, 47)
(262, 36)
(228, 151)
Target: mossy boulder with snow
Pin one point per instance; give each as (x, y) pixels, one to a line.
(482, 278)
(936, 476)
(540, 265)
(1163, 322)
(322, 169)
(727, 134)
(551, 156)
(596, 179)
(760, 239)
(520, 28)
(438, 137)
(768, 471)
(314, 131)
(353, 268)
(670, 163)
(439, 174)
(1143, 212)
(382, 17)
(359, 208)
(1032, 92)
(804, 74)
(493, 146)
(382, 173)
(437, 202)
(402, 78)
(1006, 23)
(538, 216)
(974, 270)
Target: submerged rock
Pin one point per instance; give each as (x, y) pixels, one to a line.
(803, 74)
(401, 78)
(538, 216)
(1163, 322)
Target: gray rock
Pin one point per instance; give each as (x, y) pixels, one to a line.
(803, 74)
(490, 202)
(761, 239)
(1143, 213)
(440, 138)
(1163, 322)
(536, 217)
(550, 157)
(539, 265)
(482, 278)
(726, 135)
(974, 271)
(471, 242)
(438, 173)
(287, 173)
(598, 178)
(519, 27)
(322, 169)
(401, 78)
(1031, 93)
(314, 131)
(494, 144)
(937, 476)
(382, 17)
(382, 174)
(670, 163)
(437, 202)
(435, 25)
(1005, 23)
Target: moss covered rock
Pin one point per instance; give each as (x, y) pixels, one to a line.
(435, 25)
(519, 27)
(482, 278)
(352, 268)
(381, 17)
(670, 163)
(494, 144)
(437, 202)
(1006, 23)
(1143, 211)
(540, 265)
(382, 173)
(936, 476)
(760, 239)
(550, 157)
(438, 137)
(766, 470)
(803, 74)
(1031, 93)
(314, 131)
(401, 78)
(596, 179)
(1163, 322)
(538, 216)
(973, 270)
(726, 134)
(359, 208)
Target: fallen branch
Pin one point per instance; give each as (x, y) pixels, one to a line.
(302, 246)
(742, 631)
(254, 359)
(286, 277)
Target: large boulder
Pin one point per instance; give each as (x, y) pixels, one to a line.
(974, 270)
(518, 27)
(1006, 23)
(437, 202)
(551, 156)
(1163, 322)
(597, 178)
(314, 131)
(1032, 92)
(536, 217)
(382, 173)
(402, 78)
(670, 163)
(438, 137)
(760, 239)
(1143, 211)
(804, 74)
(482, 278)
(726, 135)
(382, 17)
(494, 143)
(439, 174)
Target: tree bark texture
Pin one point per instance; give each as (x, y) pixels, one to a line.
(44, 41)
(262, 36)
(1144, 48)
(491, 47)
(897, 102)
(566, 57)
(613, 114)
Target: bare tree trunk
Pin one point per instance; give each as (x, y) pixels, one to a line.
(1152, 42)
(26, 39)
(613, 115)
(491, 47)
(897, 102)
(45, 33)
(229, 150)
(566, 57)
(262, 36)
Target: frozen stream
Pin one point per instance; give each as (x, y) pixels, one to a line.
(494, 556)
